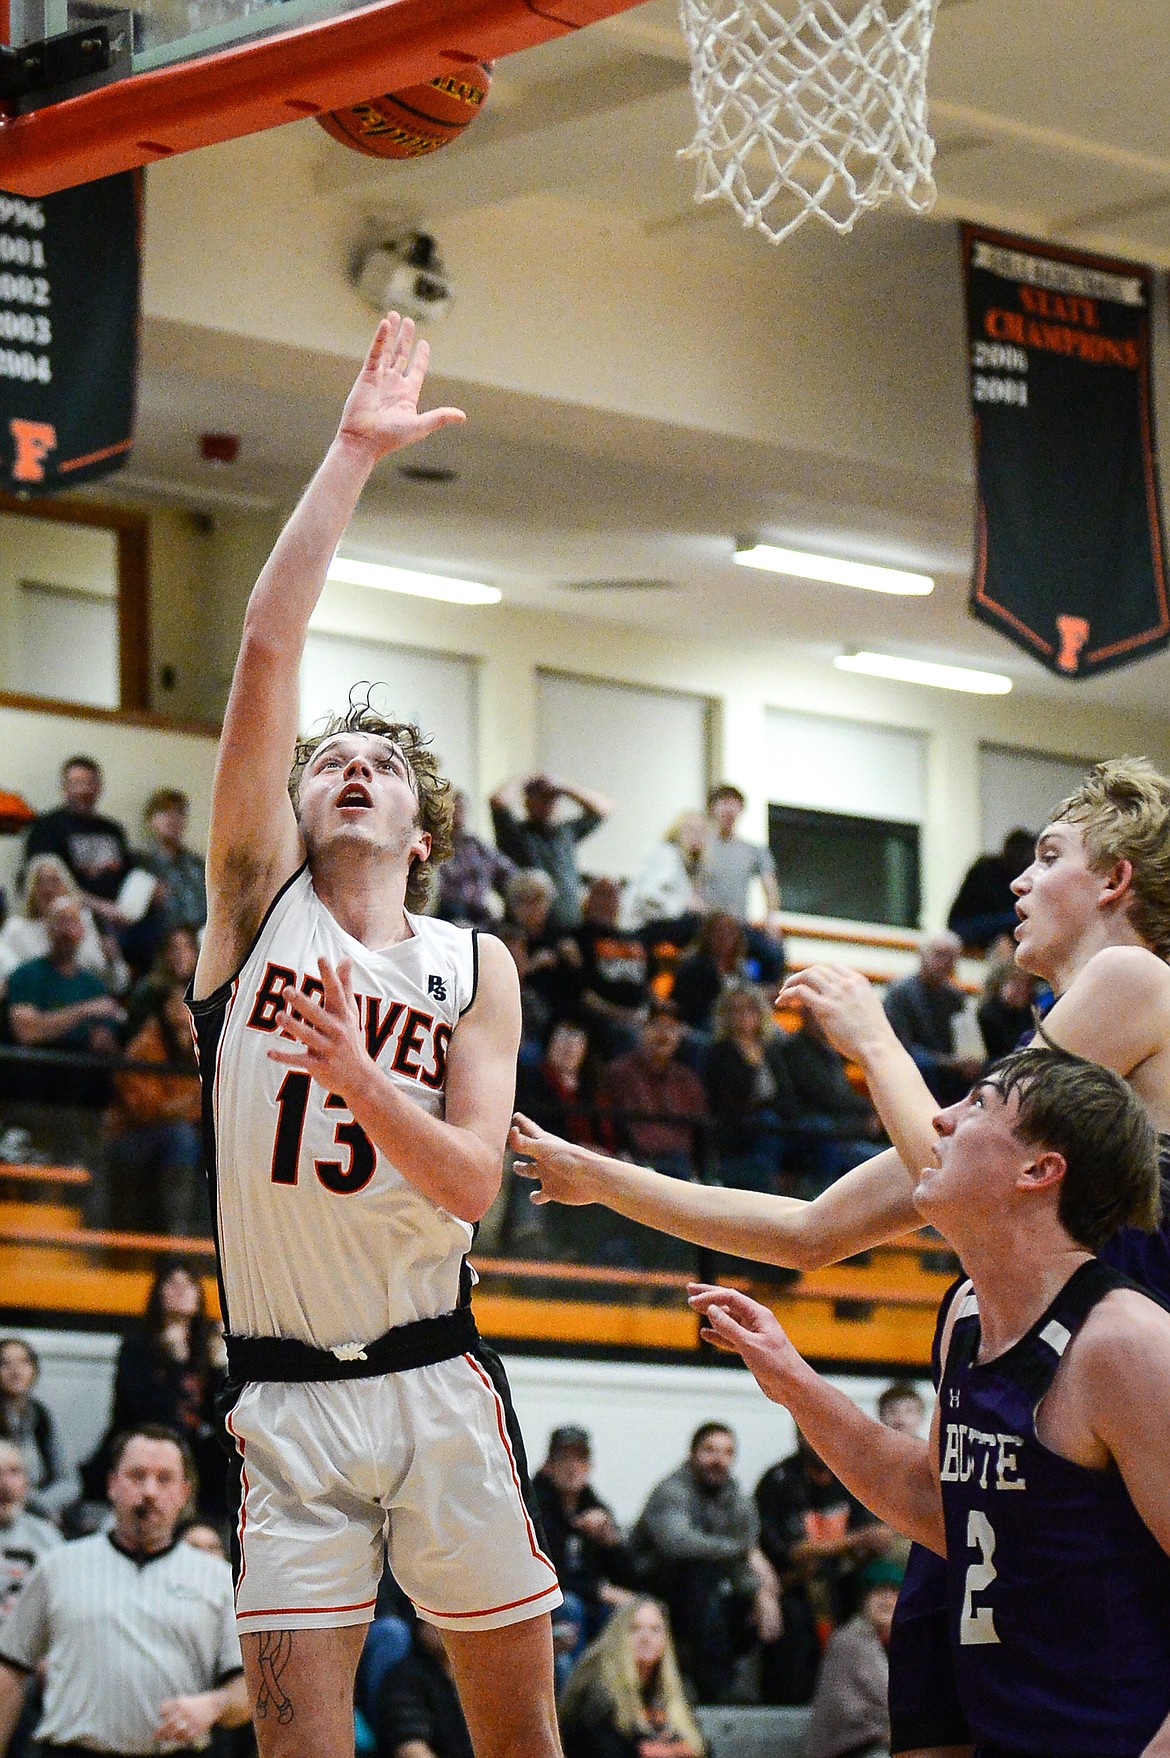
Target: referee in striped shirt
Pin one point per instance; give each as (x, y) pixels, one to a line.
(138, 1629)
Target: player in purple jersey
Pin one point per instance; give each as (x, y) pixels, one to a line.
(1094, 912)
(1094, 924)
(1046, 1480)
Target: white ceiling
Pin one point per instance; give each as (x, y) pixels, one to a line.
(1050, 120)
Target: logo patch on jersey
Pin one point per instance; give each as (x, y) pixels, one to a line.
(436, 988)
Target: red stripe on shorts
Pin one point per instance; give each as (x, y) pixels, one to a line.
(490, 1611)
(243, 1520)
(307, 1611)
(536, 1550)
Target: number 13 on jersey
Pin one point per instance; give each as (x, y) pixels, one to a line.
(343, 1179)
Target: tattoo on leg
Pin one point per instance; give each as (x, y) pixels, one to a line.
(273, 1656)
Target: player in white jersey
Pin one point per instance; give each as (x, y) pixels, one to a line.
(358, 1062)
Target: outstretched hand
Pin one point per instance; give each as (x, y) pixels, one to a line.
(329, 1042)
(381, 413)
(844, 1003)
(739, 1325)
(561, 1168)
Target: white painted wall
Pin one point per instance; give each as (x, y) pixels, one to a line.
(645, 749)
(76, 1383)
(438, 691)
(1020, 788)
(43, 632)
(641, 1415)
(856, 740)
(745, 685)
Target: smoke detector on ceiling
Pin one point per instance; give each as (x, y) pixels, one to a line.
(403, 274)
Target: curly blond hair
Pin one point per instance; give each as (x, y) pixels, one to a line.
(1122, 809)
(436, 799)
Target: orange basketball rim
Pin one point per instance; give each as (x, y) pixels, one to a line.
(306, 71)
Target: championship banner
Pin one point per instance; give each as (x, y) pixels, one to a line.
(68, 334)
(1069, 560)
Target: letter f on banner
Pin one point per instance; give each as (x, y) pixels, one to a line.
(1074, 633)
(32, 442)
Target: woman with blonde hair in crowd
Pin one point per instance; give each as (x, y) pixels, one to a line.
(749, 1089)
(25, 935)
(625, 1696)
(662, 897)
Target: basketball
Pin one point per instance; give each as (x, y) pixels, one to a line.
(419, 120)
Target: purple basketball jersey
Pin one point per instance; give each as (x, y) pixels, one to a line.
(1058, 1593)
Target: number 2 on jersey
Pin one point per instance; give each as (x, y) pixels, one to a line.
(977, 1624)
(292, 1103)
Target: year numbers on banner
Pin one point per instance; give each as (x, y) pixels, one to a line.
(23, 326)
(25, 253)
(15, 211)
(24, 289)
(29, 368)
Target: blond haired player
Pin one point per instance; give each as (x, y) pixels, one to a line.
(1094, 911)
(358, 1064)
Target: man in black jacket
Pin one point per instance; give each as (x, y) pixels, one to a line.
(581, 1537)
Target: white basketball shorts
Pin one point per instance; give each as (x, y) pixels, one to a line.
(428, 1461)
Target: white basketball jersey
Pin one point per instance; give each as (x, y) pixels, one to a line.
(319, 1236)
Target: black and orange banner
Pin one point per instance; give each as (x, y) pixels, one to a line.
(1069, 557)
(68, 333)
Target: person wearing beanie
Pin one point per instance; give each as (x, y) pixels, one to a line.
(850, 1715)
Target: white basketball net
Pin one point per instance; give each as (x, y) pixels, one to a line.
(810, 107)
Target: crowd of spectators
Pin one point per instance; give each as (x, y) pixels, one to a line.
(648, 1027)
(647, 1006)
(648, 1031)
(714, 1594)
(95, 957)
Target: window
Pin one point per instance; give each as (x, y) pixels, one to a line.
(836, 864)
(646, 749)
(73, 604)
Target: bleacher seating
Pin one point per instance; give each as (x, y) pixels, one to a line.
(877, 1308)
(755, 1732)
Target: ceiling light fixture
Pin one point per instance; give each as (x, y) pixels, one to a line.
(921, 671)
(834, 569)
(408, 580)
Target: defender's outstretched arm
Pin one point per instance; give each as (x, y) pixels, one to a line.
(870, 1204)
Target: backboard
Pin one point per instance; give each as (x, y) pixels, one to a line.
(106, 89)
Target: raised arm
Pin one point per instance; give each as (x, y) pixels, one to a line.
(846, 1006)
(870, 1204)
(589, 800)
(254, 843)
(894, 1475)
